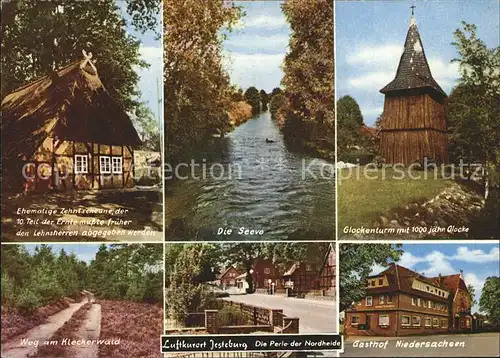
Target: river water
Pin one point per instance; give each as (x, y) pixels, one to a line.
(256, 185)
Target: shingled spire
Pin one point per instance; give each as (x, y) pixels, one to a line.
(413, 70)
(413, 125)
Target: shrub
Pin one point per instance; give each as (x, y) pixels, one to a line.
(28, 301)
(231, 316)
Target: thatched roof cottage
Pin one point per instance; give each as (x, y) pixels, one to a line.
(64, 131)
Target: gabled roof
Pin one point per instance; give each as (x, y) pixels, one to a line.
(401, 279)
(413, 70)
(369, 131)
(223, 273)
(70, 104)
(452, 283)
(292, 269)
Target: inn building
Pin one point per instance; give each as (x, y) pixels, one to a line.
(401, 302)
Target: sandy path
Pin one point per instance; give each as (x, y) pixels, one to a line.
(26, 344)
(89, 330)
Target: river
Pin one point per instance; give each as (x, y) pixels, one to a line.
(257, 185)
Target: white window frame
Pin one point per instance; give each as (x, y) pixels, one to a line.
(117, 160)
(84, 168)
(435, 322)
(384, 316)
(406, 324)
(445, 325)
(104, 168)
(370, 300)
(430, 322)
(382, 299)
(419, 302)
(413, 301)
(419, 319)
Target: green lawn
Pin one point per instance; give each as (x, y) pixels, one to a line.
(361, 200)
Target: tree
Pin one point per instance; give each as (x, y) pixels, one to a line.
(40, 37)
(264, 100)
(472, 293)
(309, 109)
(252, 96)
(489, 302)
(276, 91)
(356, 263)
(147, 127)
(196, 86)
(277, 101)
(243, 254)
(349, 121)
(474, 120)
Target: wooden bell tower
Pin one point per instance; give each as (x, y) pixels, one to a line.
(414, 122)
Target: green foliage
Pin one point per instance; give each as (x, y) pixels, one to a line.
(231, 316)
(473, 107)
(275, 104)
(356, 262)
(309, 108)
(349, 122)
(264, 99)
(196, 87)
(40, 36)
(27, 301)
(252, 96)
(472, 293)
(130, 272)
(147, 126)
(489, 302)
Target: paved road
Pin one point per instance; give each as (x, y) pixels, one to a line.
(314, 316)
(474, 345)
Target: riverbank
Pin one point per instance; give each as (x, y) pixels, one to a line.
(243, 181)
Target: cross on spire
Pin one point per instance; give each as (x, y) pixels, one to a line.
(412, 10)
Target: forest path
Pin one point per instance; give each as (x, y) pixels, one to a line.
(26, 344)
(90, 329)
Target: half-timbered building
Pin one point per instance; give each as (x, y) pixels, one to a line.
(64, 131)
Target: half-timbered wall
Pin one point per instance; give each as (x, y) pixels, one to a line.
(55, 159)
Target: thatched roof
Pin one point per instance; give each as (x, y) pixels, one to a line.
(413, 70)
(70, 104)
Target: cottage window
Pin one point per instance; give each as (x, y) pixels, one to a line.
(427, 287)
(405, 321)
(424, 302)
(416, 321)
(434, 305)
(389, 299)
(383, 320)
(380, 282)
(267, 270)
(308, 268)
(81, 164)
(382, 300)
(435, 322)
(413, 301)
(105, 164)
(444, 323)
(428, 322)
(369, 300)
(354, 320)
(467, 323)
(117, 165)
(372, 282)
(419, 302)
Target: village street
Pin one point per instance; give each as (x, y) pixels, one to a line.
(475, 345)
(315, 316)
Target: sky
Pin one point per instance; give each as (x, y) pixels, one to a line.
(151, 50)
(84, 252)
(370, 36)
(255, 50)
(478, 262)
